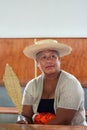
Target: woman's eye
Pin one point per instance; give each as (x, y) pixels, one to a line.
(53, 56)
(43, 57)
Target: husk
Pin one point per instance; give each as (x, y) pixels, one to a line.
(13, 87)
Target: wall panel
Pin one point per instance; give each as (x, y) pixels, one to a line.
(11, 52)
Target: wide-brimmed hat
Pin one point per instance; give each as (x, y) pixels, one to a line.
(47, 44)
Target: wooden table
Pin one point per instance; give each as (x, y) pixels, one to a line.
(40, 127)
(8, 110)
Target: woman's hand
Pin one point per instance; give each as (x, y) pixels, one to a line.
(22, 122)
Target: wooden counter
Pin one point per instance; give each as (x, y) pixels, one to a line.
(8, 110)
(40, 127)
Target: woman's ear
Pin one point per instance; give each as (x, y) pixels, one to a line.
(59, 58)
(37, 63)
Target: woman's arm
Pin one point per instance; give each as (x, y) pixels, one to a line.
(63, 117)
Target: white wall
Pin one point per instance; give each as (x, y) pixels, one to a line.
(43, 18)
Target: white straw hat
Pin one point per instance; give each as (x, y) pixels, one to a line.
(47, 44)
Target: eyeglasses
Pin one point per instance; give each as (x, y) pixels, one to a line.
(52, 57)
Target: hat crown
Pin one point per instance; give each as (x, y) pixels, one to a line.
(47, 41)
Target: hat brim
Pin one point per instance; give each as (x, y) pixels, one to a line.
(32, 50)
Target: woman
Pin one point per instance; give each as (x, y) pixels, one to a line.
(54, 91)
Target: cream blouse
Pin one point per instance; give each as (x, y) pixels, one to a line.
(69, 94)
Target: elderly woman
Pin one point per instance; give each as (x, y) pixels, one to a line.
(55, 97)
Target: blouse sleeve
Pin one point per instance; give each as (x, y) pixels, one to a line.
(71, 95)
(28, 97)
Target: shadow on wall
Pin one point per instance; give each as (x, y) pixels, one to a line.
(5, 101)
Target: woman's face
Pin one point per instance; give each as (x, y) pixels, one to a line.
(48, 62)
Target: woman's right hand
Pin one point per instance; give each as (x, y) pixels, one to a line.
(22, 122)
